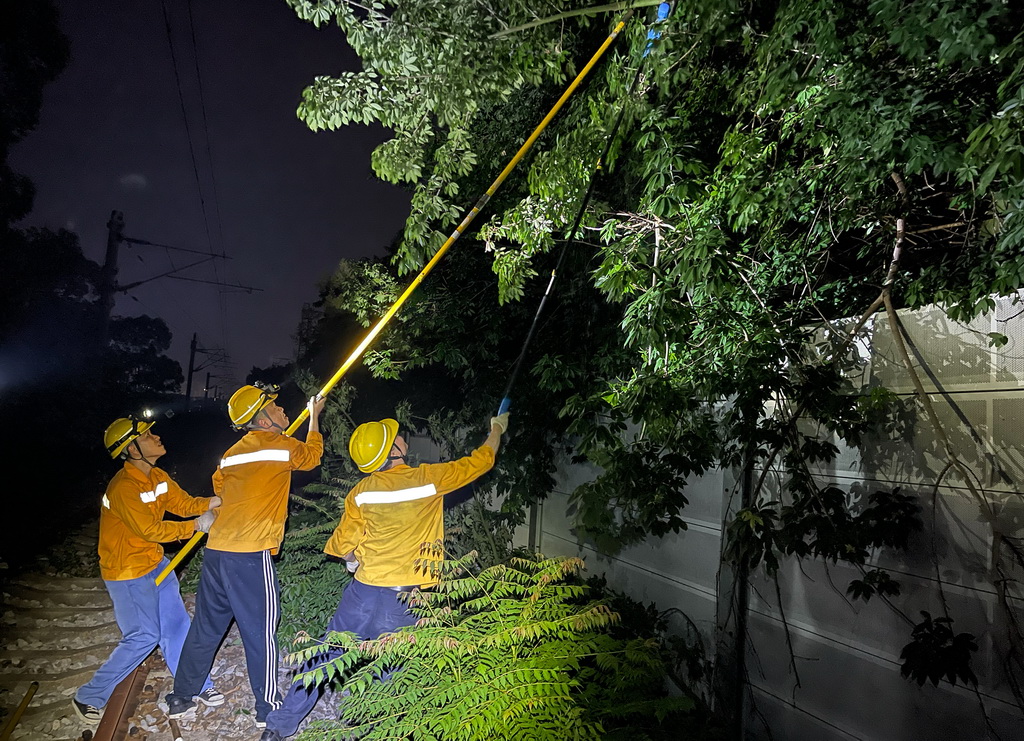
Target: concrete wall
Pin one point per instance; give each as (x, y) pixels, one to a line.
(679, 570)
(848, 653)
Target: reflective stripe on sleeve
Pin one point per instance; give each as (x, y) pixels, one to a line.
(259, 456)
(106, 502)
(392, 497)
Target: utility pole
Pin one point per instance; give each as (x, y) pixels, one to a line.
(108, 276)
(191, 365)
(217, 357)
(107, 287)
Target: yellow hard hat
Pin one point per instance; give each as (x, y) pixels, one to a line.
(121, 433)
(371, 443)
(247, 402)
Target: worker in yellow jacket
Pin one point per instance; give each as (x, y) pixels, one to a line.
(388, 516)
(132, 527)
(238, 580)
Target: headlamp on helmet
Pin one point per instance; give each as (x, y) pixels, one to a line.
(122, 432)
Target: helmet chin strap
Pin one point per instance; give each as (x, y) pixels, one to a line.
(400, 457)
(273, 424)
(144, 459)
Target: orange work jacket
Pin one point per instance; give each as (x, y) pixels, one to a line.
(254, 479)
(390, 514)
(132, 524)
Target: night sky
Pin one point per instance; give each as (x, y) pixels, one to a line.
(284, 204)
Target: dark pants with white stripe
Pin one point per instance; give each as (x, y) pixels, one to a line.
(242, 586)
(366, 611)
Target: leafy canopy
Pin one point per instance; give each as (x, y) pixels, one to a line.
(770, 157)
(748, 198)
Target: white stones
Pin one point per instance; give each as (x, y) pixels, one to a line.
(79, 639)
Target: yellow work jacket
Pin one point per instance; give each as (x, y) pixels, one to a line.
(389, 514)
(253, 479)
(132, 524)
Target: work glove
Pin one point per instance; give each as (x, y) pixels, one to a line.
(312, 404)
(502, 421)
(205, 520)
(351, 566)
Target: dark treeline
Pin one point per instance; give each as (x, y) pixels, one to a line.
(61, 381)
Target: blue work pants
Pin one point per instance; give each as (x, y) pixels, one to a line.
(366, 611)
(148, 615)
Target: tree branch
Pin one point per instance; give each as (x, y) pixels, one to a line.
(609, 8)
(937, 228)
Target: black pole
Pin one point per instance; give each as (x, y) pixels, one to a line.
(570, 239)
(108, 276)
(191, 367)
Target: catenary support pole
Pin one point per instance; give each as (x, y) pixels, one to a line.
(108, 275)
(191, 369)
(459, 230)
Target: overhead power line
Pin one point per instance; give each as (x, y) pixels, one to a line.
(206, 130)
(147, 243)
(188, 129)
(207, 257)
(222, 308)
(247, 289)
(124, 288)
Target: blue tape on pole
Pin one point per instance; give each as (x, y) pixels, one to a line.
(505, 405)
(652, 35)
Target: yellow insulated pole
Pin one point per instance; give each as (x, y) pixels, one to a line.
(383, 321)
(12, 722)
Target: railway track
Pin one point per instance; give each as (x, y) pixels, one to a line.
(57, 630)
(54, 630)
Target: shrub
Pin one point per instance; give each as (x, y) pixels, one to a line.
(513, 652)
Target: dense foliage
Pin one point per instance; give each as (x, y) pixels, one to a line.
(749, 196)
(781, 167)
(513, 652)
